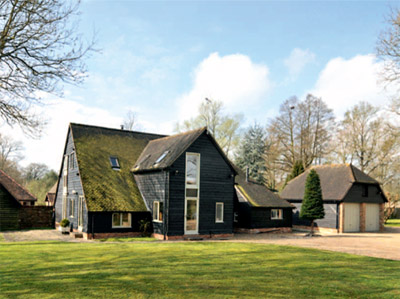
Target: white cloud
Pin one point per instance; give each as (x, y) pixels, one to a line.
(297, 60)
(233, 79)
(59, 113)
(344, 83)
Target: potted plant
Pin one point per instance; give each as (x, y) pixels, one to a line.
(64, 226)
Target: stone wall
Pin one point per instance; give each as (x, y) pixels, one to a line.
(35, 217)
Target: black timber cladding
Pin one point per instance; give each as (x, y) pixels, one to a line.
(153, 187)
(101, 222)
(216, 185)
(9, 209)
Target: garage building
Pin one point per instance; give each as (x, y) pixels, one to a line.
(353, 201)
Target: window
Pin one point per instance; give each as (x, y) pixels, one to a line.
(219, 212)
(158, 210)
(162, 157)
(235, 217)
(65, 175)
(80, 211)
(71, 160)
(192, 175)
(121, 220)
(64, 207)
(276, 214)
(364, 190)
(71, 207)
(114, 163)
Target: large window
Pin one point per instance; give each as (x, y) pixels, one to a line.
(71, 160)
(121, 220)
(71, 207)
(158, 210)
(276, 214)
(219, 212)
(192, 175)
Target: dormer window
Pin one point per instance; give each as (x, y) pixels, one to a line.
(114, 163)
(164, 154)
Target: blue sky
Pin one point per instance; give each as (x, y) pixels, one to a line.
(160, 59)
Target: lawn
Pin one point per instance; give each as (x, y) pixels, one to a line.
(190, 269)
(124, 239)
(393, 222)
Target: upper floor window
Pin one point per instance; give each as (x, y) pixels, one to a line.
(71, 160)
(192, 174)
(158, 209)
(114, 163)
(364, 190)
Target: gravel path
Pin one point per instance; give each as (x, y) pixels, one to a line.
(39, 235)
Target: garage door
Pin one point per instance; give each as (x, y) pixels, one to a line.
(372, 217)
(351, 217)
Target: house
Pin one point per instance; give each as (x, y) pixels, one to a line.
(353, 201)
(112, 180)
(257, 209)
(51, 196)
(12, 197)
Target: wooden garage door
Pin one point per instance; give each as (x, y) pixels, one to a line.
(351, 217)
(372, 217)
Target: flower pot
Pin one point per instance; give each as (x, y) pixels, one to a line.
(64, 230)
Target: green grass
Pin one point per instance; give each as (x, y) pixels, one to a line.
(2, 237)
(393, 222)
(186, 270)
(138, 239)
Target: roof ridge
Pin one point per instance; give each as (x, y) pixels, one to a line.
(179, 134)
(352, 172)
(119, 130)
(18, 184)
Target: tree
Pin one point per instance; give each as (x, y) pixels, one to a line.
(10, 154)
(297, 169)
(390, 206)
(223, 127)
(369, 142)
(388, 49)
(35, 171)
(130, 120)
(312, 207)
(40, 187)
(251, 153)
(39, 48)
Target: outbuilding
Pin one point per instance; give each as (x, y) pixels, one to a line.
(353, 201)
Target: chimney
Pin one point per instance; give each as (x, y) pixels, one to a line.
(122, 127)
(247, 174)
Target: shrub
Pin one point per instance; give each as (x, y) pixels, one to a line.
(64, 223)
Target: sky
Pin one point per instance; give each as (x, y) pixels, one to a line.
(161, 59)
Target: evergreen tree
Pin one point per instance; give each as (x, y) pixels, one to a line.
(251, 153)
(297, 169)
(312, 207)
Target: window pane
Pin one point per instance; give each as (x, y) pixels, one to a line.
(160, 214)
(219, 212)
(155, 210)
(191, 169)
(191, 192)
(114, 162)
(125, 219)
(116, 219)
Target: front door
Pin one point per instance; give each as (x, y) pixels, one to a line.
(191, 216)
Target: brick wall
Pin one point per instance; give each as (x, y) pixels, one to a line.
(35, 217)
(363, 212)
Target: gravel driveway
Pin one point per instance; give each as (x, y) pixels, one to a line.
(39, 235)
(383, 245)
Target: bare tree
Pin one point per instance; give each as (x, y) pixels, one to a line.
(35, 171)
(388, 48)
(10, 150)
(223, 127)
(130, 120)
(39, 47)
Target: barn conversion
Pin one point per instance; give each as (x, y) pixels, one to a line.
(112, 181)
(353, 201)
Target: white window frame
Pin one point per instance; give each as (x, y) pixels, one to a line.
(195, 187)
(120, 220)
(279, 214)
(64, 206)
(118, 167)
(156, 211)
(71, 161)
(216, 215)
(71, 207)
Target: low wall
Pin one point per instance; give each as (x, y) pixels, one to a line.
(35, 217)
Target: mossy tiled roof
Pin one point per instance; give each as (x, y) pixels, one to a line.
(107, 189)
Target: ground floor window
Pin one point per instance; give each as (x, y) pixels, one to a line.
(121, 220)
(71, 207)
(158, 209)
(219, 212)
(276, 214)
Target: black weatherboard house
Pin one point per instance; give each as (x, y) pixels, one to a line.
(257, 209)
(353, 201)
(112, 179)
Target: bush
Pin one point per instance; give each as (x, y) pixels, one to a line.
(144, 226)
(64, 223)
